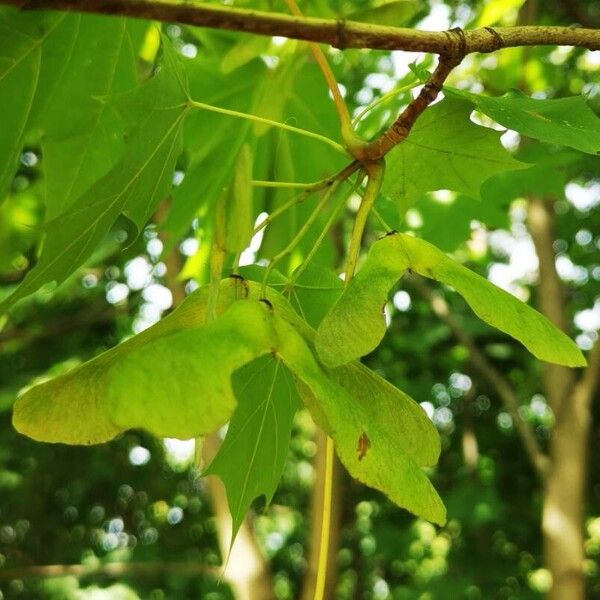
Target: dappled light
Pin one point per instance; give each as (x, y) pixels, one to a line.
(299, 301)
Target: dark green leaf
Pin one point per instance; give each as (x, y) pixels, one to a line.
(29, 72)
(251, 458)
(81, 144)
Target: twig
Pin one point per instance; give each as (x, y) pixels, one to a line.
(309, 189)
(340, 34)
(375, 177)
(479, 361)
(257, 119)
(383, 99)
(401, 127)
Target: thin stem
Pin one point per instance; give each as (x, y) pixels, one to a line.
(383, 222)
(256, 119)
(281, 184)
(321, 60)
(325, 522)
(383, 99)
(309, 189)
(301, 233)
(235, 267)
(319, 240)
(401, 127)
(375, 172)
(297, 199)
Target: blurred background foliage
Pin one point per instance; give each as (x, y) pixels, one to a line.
(132, 518)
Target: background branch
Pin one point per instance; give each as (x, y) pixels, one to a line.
(340, 34)
(116, 569)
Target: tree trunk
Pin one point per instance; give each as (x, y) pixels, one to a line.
(564, 491)
(564, 503)
(247, 572)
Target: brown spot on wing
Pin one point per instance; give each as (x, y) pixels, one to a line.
(364, 443)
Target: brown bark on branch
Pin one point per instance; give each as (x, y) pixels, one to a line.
(403, 124)
(340, 34)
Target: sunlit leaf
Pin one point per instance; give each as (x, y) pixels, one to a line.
(395, 13)
(494, 11)
(239, 208)
(247, 49)
(356, 323)
(172, 380)
(366, 438)
(445, 150)
(564, 121)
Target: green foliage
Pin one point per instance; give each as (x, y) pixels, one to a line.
(252, 456)
(120, 389)
(562, 121)
(394, 13)
(239, 209)
(132, 386)
(30, 50)
(356, 324)
(383, 443)
(134, 186)
(218, 116)
(445, 150)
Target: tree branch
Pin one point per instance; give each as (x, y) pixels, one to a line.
(403, 124)
(340, 34)
(59, 327)
(558, 380)
(479, 361)
(116, 569)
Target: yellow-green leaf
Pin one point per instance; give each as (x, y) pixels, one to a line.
(355, 325)
(172, 379)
